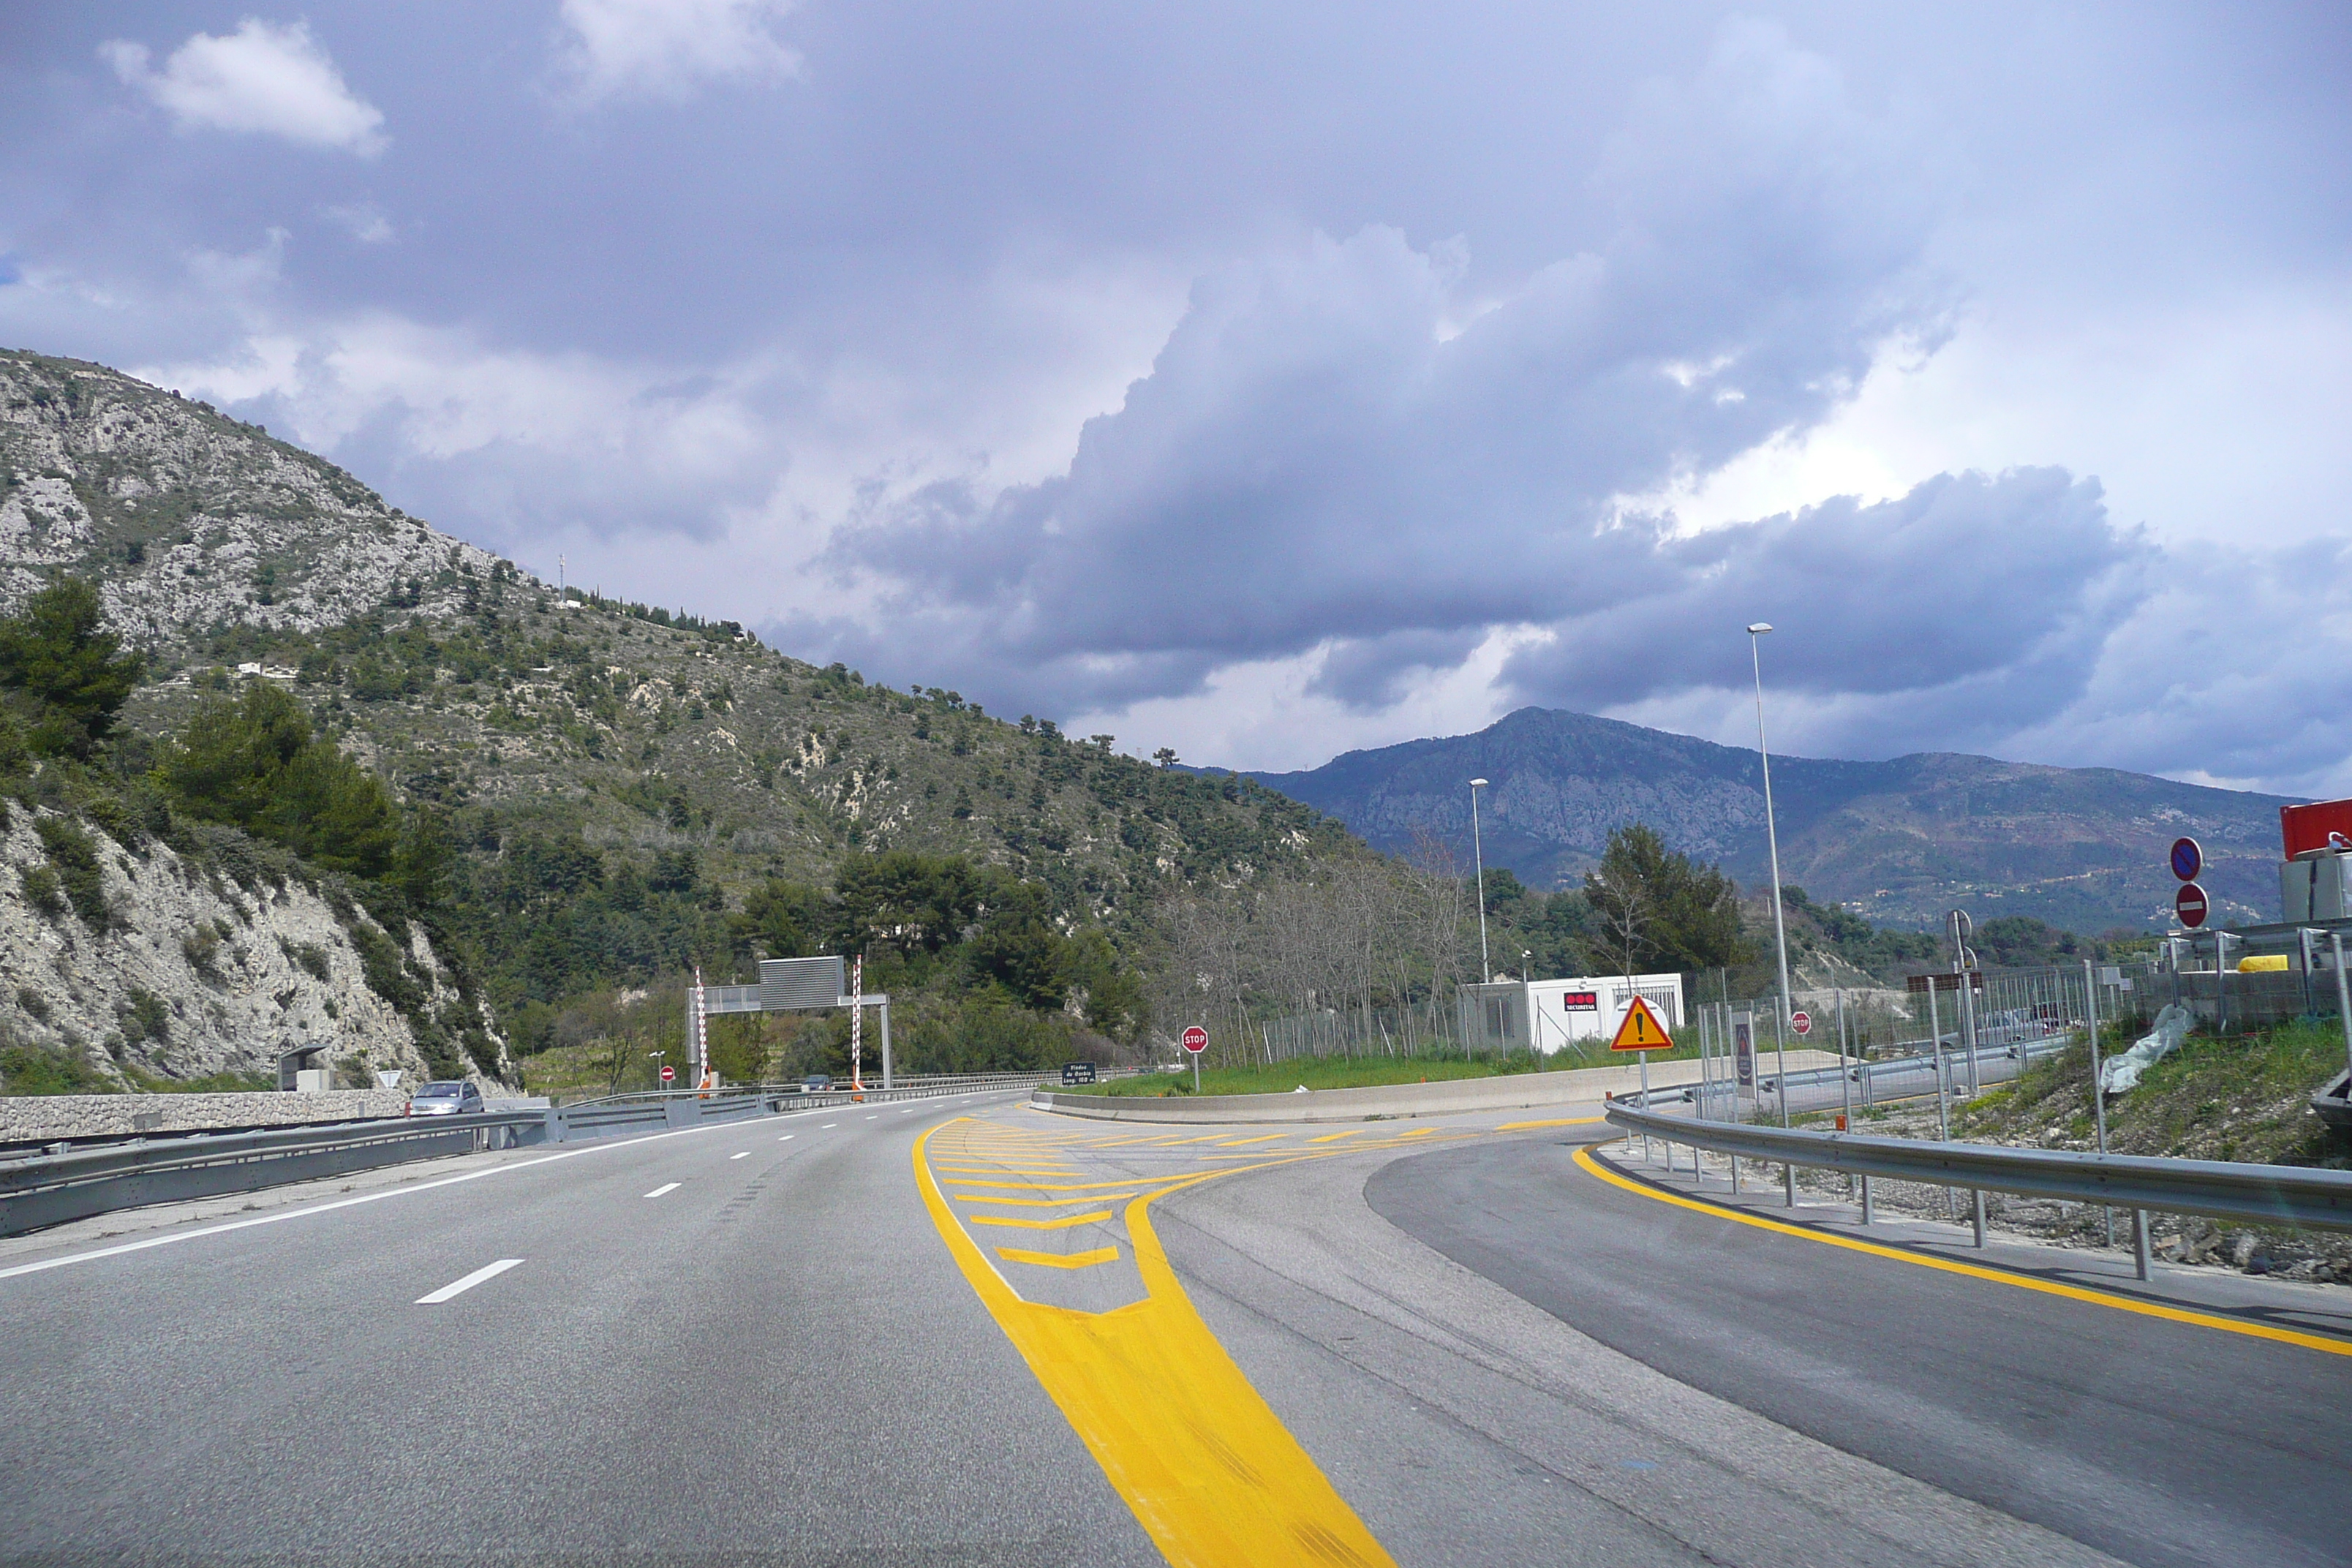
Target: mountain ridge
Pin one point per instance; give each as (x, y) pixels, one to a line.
(1898, 840)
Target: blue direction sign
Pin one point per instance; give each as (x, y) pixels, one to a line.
(2187, 860)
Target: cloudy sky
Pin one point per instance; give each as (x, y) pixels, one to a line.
(1266, 381)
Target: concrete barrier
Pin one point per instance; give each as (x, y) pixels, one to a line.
(1529, 1090)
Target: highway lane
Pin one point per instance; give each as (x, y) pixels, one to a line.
(965, 1334)
(773, 1361)
(2158, 1442)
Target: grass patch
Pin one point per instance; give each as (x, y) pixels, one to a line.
(211, 1083)
(2239, 1097)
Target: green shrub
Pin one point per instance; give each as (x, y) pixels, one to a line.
(149, 1017)
(307, 956)
(76, 861)
(44, 891)
(46, 1070)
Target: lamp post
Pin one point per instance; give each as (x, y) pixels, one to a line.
(1772, 841)
(1478, 856)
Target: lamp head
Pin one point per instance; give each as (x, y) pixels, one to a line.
(1759, 628)
(1477, 783)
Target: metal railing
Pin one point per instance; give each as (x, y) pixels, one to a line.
(2262, 1194)
(47, 1189)
(50, 1189)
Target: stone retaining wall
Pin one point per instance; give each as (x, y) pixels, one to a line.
(31, 1118)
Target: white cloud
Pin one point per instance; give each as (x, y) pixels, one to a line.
(666, 49)
(265, 78)
(364, 221)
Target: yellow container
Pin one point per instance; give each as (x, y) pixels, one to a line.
(2264, 964)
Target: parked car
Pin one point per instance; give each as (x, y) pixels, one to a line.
(446, 1097)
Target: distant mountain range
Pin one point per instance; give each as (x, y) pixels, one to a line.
(1901, 841)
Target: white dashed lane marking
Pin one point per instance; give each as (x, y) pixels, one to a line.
(460, 1287)
(665, 1187)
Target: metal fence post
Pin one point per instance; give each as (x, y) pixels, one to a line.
(2343, 996)
(2098, 1094)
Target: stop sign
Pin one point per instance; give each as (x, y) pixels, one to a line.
(2190, 905)
(668, 1072)
(1801, 1021)
(1195, 1038)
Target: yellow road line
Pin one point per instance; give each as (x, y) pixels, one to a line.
(1045, 1186)
(1210, 1471)
(1564, 1121)
(1059, 1259)
(1334, 1137)
(1238, 1142)
(1038, 1203)
(1065, 1223)
(1001, 1171)
(2328, 1343)
(1418, 1133)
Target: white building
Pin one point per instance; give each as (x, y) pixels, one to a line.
(1512, 1014)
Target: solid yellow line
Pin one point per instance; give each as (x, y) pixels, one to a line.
(1334, 1137)
(1975, 1271)
(1001, 1171)
(1047, 1187)
(1239, 1141)
(1564, 1121)
(1418, 1133)
(1060, 1259)
(1064, 1223)
(1212, 1474)
(1038, 1203)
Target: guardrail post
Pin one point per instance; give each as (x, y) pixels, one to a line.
(1866, 1215)
(1789, 1175)
(2139, 1242)
(1977, 1212)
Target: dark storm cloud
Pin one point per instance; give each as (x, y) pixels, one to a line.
(1339, 443)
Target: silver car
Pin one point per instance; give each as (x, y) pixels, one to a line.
(446, 1097)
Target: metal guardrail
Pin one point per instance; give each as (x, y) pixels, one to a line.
(2264, 1194)
(50, 1189)
(1868, 1082)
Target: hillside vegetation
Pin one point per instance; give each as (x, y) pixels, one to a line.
(585, 797)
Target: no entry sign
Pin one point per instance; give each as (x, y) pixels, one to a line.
(1195, 1040)
(668, 1072)
(2187, 858)
(2190, 905)
(1801, 1021)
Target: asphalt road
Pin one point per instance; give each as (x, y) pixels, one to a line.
(2159, 1442)
(971, 1333)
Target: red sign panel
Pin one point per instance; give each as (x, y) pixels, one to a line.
(2190, 905)
(1801, 1021)
(2303, 828)
(668, 1072)
(1195, 1040)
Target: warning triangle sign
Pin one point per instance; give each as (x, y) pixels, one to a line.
(1641, 1031)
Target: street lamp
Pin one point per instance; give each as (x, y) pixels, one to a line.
(1772, 839)
(1479, 855)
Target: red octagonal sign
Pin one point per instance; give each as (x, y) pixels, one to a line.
(1196, 1039)
(1801, 1021)
(2190, 905)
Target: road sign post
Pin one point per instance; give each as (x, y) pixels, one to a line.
(1194, 1039)
(1640, 1032)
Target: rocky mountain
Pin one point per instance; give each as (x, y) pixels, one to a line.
(129, 962)
(1899, 841)
(615, 779)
